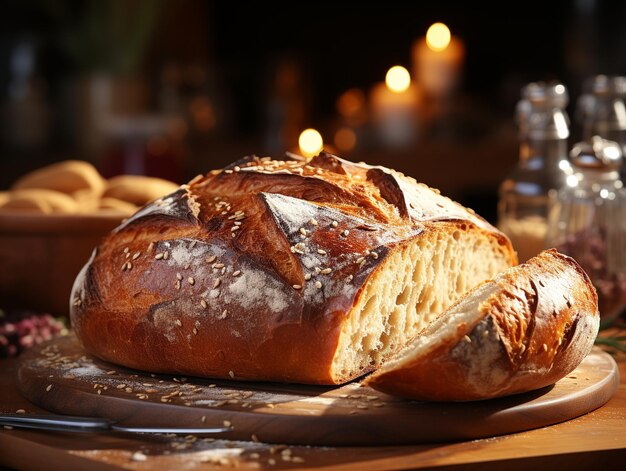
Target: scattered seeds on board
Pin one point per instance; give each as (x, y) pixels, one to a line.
(138, 456)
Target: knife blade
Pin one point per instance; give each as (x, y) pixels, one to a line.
(68, 423)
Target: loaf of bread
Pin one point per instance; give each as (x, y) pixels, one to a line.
(308, 271)
(526, 329)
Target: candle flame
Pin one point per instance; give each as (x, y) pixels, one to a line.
(438, 37)
(398, 79)
(310, 142)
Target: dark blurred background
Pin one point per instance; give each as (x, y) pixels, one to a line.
(176, 88)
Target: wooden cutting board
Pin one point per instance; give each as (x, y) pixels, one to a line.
(61, 377)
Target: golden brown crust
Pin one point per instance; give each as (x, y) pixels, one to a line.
(213, 280)
(534, 329)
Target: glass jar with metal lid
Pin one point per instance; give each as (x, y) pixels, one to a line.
(602, 109)
(541, 169)
(587, 221)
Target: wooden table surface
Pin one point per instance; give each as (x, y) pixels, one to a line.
(594, 441)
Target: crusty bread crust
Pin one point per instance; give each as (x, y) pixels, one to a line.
(531, 326)
(251, 272)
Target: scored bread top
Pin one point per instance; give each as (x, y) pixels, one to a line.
(290, 242)
(378, 204)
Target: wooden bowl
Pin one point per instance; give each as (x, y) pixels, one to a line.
(40, 255)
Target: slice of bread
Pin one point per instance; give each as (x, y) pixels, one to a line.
(527, 328)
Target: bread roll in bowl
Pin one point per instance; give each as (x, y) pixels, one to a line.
(67, 177)
(114, 204)
(137, 189)
(527, 328)
(39, 201)
(284, 270)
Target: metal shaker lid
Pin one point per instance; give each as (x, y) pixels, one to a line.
(606, 85)
(597, 154)
(601, 109)
(549, 94)
(541, 112)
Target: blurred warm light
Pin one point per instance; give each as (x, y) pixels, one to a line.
(157, 146)
(351, 103)
(438, 37)
(310, 142)
(345, 139)
(398, 79)
(202, 114)
(177, 128)
(195, 75)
